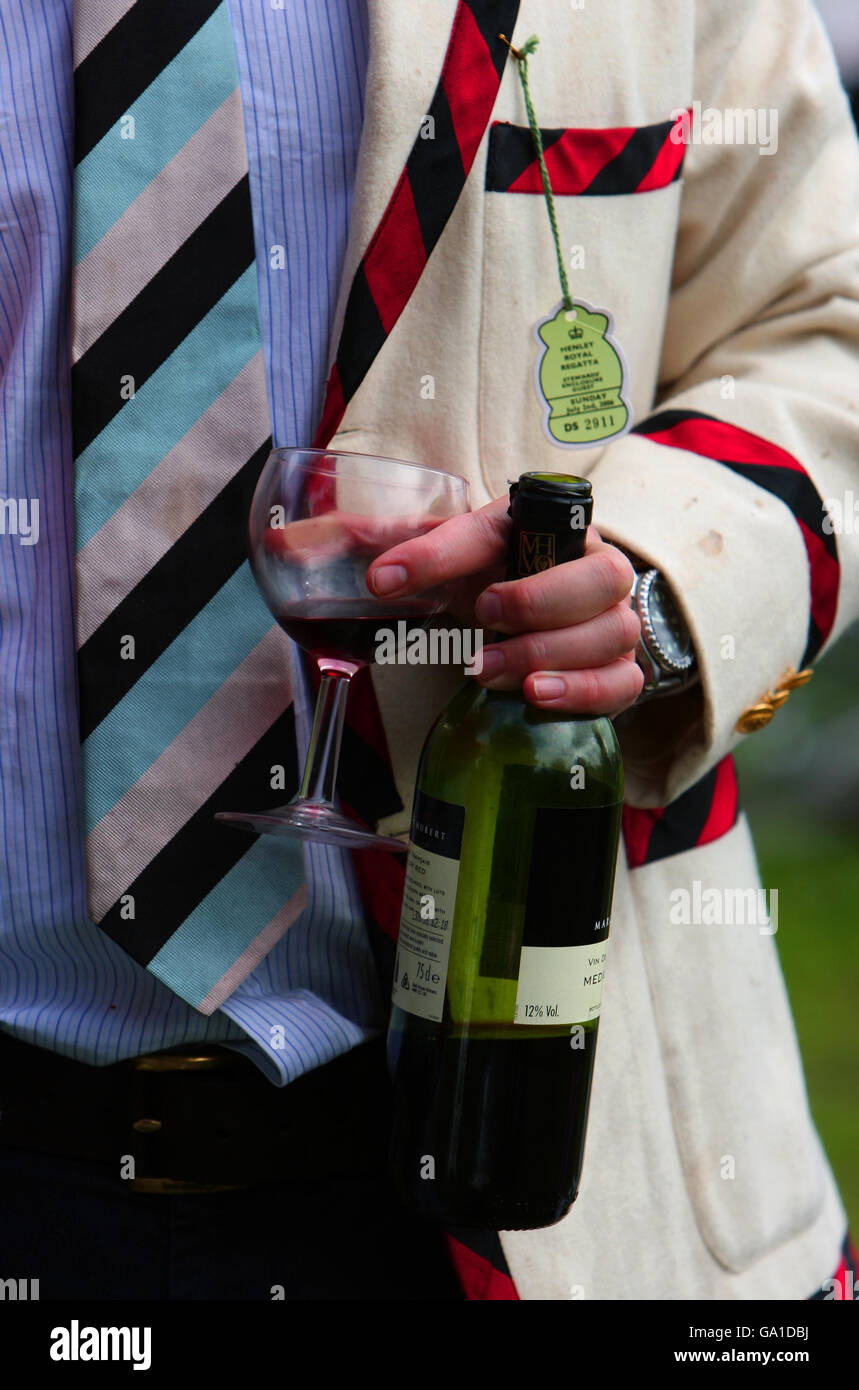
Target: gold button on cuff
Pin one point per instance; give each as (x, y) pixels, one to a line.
(777, 697)
(758, 716)
(146, 1126)
(794, 679)
(754, 718)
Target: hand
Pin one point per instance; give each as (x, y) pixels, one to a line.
(573, 629)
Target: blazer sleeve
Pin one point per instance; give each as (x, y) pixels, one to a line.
(740, 486)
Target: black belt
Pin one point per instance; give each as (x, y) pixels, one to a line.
(197, 1119)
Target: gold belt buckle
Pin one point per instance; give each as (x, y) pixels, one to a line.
(179, 1061)
(176, 1061)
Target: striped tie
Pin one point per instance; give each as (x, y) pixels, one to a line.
(184, 678)
(165, 307)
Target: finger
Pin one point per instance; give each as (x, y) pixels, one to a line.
(595, 643)
(460, 546)
(463, 593)
(561, 596)
(607, 690)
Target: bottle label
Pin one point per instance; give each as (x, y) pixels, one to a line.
(560, 984)
(423, 945)
(542, 955)
(567, 916)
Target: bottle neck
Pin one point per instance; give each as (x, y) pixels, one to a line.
(549, 526)
(550, 515)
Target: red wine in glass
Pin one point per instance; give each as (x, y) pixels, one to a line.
(318, 519)
(345, 631)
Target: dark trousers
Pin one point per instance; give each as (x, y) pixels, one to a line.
(76, 1229)
(329, 1227)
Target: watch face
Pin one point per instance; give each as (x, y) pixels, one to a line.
(673, 640)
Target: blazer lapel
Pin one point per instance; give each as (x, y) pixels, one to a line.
(431, 87)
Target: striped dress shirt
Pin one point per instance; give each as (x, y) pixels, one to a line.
(64, 985)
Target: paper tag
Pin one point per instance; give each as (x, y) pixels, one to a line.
(581, 377)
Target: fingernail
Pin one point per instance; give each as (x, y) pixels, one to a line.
(488, 609)
(493, 664)
(387, 578)
(549, 688)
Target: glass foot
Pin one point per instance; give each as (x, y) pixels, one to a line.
(312, 820)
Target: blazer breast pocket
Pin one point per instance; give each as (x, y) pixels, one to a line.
(617, 198)
(587, 163)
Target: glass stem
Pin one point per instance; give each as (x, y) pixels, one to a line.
(323, 753)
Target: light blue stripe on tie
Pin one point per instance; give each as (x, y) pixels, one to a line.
(65, 984)
(170, 110)
(223, 925)
(168, 695)
(168, 403)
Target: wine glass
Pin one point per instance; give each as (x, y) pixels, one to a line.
(317, 520)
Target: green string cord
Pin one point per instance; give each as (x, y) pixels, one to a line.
(521, 56)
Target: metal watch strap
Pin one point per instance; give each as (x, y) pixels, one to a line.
(663, 674)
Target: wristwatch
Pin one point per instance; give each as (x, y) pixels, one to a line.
(664, 651)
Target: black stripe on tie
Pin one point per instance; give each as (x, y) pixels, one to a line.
(194, 861)
(435, 171)
(130, 56)
(625, 172)
(680, 826)
(165, 311)
(511, 151)
(362, 337)
(169, 596)
(494, 17)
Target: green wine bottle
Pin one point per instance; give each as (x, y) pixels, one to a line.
(504, 931)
